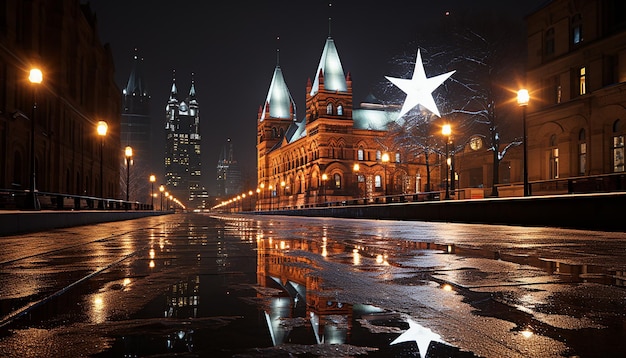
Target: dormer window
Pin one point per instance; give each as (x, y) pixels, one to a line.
(329, 108)
(340, 110)
(577, 29)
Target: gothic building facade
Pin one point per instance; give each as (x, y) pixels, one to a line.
(333, 152)
(577, 111)
(136, 132)
(78, 90)
(183, 173)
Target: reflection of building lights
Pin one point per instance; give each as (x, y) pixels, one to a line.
(527, 333)
(282, 245)
(450, 249)
(151, 264)
(151, 253)
(356, 257)
(379, 259)
(126, 281)
(447, 287)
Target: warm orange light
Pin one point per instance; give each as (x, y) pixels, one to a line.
(385, 157)
(523, 97)
(152, 178)
(324, 177)
(356, 167)
(446, 130)
(35, 76)
(161, 188)
(128, 152)
(102, 128)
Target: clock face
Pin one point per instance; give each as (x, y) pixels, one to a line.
(476, 143)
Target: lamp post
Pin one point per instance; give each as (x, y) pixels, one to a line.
(355, 168)
(282, 187)
(262, 187)
(270, 188)
(250, 192)
(256, 203)
(35, 77)
(152, 180)
(161, 189)
(522, 100)
(102, 128)
(385, 160)
(128, 152)
(167, 200)
(324, 179)
(446, 130)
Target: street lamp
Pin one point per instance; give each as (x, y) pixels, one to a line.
(356, 169)
(250, 192)
(385, 160)
(324, 178)
(161, 189)
(282, 187)
(35, 77)
(522, 100)
(128, 152)
(446, 130)
(167, 200)
(271, 194)
(102, 128)
(152, 180)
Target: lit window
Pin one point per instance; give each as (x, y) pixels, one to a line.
(618, 147)
(359, 154)
(340, 110)
(577, 29)
(554, 158)
(337, 178)
(582, 81)
(378, 155)
(397, 157)
(329, 108)
(378, 183)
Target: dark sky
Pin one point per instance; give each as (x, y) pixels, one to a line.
(231, 47)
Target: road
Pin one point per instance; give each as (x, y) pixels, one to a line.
(274, 286)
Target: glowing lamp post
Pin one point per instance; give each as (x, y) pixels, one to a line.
(152, 180)
(35, 77)
(270, 188)
(446, 130)
(356, 169)
(128, 152)
(101, 129)
(282, 187)
(324, 179)
(161, 189)
(385, 160)
(522, 100)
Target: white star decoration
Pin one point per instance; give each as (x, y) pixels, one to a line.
(420, 334)
(419, 88)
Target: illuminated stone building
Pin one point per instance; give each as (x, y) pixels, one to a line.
(307, 160)
(77, 91)
(576, 74)
(182, 149)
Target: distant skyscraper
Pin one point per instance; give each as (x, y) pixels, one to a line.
(228, 172)
(135, 131)
(182, 149)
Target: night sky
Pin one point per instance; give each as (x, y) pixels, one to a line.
(230, 46)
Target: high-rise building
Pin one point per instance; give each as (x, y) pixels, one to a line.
(182, 149)
(229, 181)
(136, 129)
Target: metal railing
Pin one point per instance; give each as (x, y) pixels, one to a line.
(11, 199)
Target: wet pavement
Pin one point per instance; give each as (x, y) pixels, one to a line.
(270, 286)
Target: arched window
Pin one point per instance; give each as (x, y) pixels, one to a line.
(617, 148)
(554, 158)
(378, 155)
(337, 179)
(397, 157)
(282, 132)
(274, 134)
(329, 108)
(360, 154)
(378, 182)
(582, 152)
(340, 110)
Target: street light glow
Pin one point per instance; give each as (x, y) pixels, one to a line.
(446, 130)
(523, 97)
(35, 76)
(102, 128)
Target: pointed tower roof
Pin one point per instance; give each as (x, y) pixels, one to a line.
(279, 103)
(192, 93)
(135, 85)
(173, 91)
(330, 69)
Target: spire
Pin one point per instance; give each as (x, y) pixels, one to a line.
(277, 51)
(135, 85)
(174, 92)
(278, 103)
(330, 69)
(193, 102)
